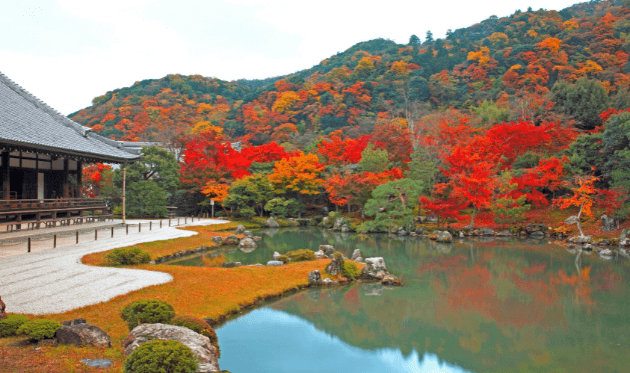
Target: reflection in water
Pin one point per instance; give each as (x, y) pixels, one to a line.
(274, 341)
(484, 306)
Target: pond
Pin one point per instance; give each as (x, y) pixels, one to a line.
(487, 305)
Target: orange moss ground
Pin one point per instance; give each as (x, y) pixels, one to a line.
(159, 249)
(200, 292)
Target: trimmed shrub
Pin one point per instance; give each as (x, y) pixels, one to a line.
(200, 326)
(160, 356)
(284, 259)
(128, 256)
(147, 312)
(39, 329)
(350, 270)
(300, 255)
(10, 325)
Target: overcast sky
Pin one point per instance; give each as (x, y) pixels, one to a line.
(66, 52)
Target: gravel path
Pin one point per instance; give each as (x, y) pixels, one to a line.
(54, 280)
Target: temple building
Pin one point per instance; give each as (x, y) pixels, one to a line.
(42, 155)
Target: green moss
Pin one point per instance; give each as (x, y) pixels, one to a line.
(160, 356)
(350, 270)
(147, 312)
(39, 329)
(10, 325)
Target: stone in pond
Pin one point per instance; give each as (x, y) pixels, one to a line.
(356, 254)
(276, 255)
(97, 363)
(314, 278)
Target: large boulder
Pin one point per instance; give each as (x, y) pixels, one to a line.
(217, 239)
(78, 332)
(240, 229)
(531, 228)
(247, 242)
(276, 255)
(320, 254)
(442, 236)
(356, 254)
(3, 307)
(200, 345)
(328, 249)
(609, 224)
(336, 265)
(338, 224)
(571, 220)
(374, 269)
(232, 240)
(580, 239)
(314, 278)
(625, 234)
(272, 223)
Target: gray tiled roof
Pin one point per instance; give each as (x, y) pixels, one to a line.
(27, 122)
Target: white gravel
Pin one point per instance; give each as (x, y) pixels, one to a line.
(54, 280)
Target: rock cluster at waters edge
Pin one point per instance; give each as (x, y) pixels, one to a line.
(374, 269)
(200, 345)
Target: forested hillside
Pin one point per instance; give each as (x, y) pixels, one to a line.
(497, 117)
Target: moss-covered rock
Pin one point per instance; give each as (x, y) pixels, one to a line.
(300, 255)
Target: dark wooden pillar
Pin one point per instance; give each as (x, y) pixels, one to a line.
(6, 175)
(66, 179)
(79, 179)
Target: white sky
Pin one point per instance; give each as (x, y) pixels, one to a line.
(66, 52)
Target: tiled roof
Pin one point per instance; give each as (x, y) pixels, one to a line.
(26, 122)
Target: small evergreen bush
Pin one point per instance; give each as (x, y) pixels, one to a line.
(284, 259)
(200, 326)
(128, 256)
(160, 356)
(147, 312)
(350, 270)
(10, 325)
(39, 329)
(300, 255)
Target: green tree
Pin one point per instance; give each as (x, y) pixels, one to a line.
(150, 182)
(392, 203)
(414, 40)
(249, 195)
(584, 101)
(374, 160)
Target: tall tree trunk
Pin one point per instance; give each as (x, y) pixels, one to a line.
(578, 221)
(472, 218)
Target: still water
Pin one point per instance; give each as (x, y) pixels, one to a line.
(471, 306)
